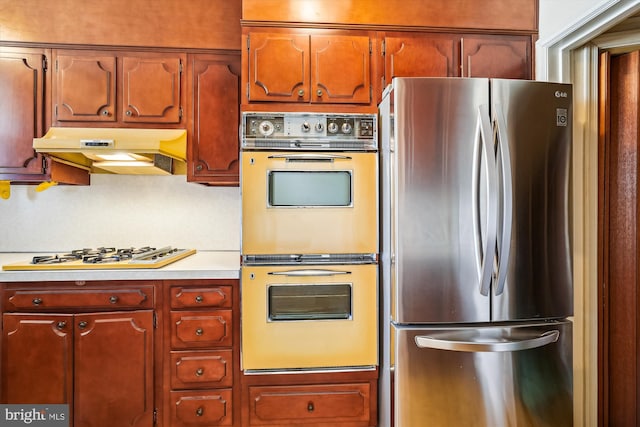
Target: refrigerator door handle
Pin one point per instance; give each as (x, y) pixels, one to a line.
(484, 248)
(514, 342)
(504, 245)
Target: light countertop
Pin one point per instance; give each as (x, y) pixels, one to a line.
(201, 265)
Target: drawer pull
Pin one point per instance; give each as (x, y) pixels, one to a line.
(199, 332)
(310, 407)
(199, 299)
(61, 325)
(199, 372)
(199, 411)
(37, 301)
(113, 299)
(83, 324)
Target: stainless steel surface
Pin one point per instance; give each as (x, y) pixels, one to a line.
(465, 220)
(536, 281)
(309, 131)
(526, 388)
(475, 243)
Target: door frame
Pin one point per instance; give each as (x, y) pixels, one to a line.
(573, 56)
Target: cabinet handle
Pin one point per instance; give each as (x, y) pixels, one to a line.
(105, 112)
(129, 113)
(310, 407)
(37, 301)
(113, 299)
(319, 92)
(199, 167)
(199, 299)
(301, 92)
(61, 325)
(199, 331)
(199, 411)
(83, 324)
(199, 372)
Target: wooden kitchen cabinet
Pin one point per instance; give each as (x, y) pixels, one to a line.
(125, 89)
(341, 398)
(203, 363)
(507, 57)
(214, 148)
(454, 55)
(97, 358)
(22, 112)
(299, 67)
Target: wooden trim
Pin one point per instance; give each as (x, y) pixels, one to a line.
(603, 232)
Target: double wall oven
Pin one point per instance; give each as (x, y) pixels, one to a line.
(309, 241)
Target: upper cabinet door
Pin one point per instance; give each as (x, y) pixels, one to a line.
(278, 66)
(507, 57)
(340, 69)
(303, 68)
(421, 56)
(214, 82)
(85, 87)
(151, 89)
(22, 76)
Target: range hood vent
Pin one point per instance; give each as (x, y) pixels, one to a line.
(117, 150)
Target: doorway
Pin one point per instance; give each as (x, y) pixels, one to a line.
(619, 249)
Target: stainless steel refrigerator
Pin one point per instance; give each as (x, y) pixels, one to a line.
(476, 253)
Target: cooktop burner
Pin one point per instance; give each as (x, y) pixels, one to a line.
(105, 257)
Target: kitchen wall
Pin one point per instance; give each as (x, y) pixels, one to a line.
(123, 211)
(556, 15)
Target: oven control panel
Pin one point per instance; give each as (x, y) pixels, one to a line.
(309, 131)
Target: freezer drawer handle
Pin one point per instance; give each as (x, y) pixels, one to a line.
(442, 342)
(308, 272)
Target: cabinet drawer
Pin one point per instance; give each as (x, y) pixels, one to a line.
(214, 296)
(312, 404)
(193, 369)
(211, 408)
(108, 299)
(201, 329)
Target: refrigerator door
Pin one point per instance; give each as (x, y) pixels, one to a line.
(483, 376)
(532, 121)
(439, 148)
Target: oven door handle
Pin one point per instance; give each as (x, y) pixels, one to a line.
(306, 157)
(308, 272)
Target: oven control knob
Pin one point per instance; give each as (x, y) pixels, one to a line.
(319, 127)
(266, 128)
(306, 127)
(332, 127)
(346, 127)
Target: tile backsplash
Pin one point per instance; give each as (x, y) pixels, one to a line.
(122, 211)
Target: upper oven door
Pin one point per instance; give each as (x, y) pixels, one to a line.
(309, 202)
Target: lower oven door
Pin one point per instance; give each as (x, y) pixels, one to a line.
(301, 202)
(309, 317)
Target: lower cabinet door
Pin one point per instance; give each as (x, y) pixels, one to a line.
(201, 408)
(332, 404)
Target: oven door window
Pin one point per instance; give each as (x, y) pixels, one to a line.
(310, 189)
(309, 302)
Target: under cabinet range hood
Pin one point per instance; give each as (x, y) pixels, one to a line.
(117, 150)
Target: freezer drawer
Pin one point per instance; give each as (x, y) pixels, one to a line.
(483, 376)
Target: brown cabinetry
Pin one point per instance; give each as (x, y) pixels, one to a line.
(311, 399)
(450, 55)
(92, 349)
(22, 113)
(118, 88)
(298, 67)
(214, 85)
(202, 359)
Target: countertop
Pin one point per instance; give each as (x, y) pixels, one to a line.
(201, 265)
